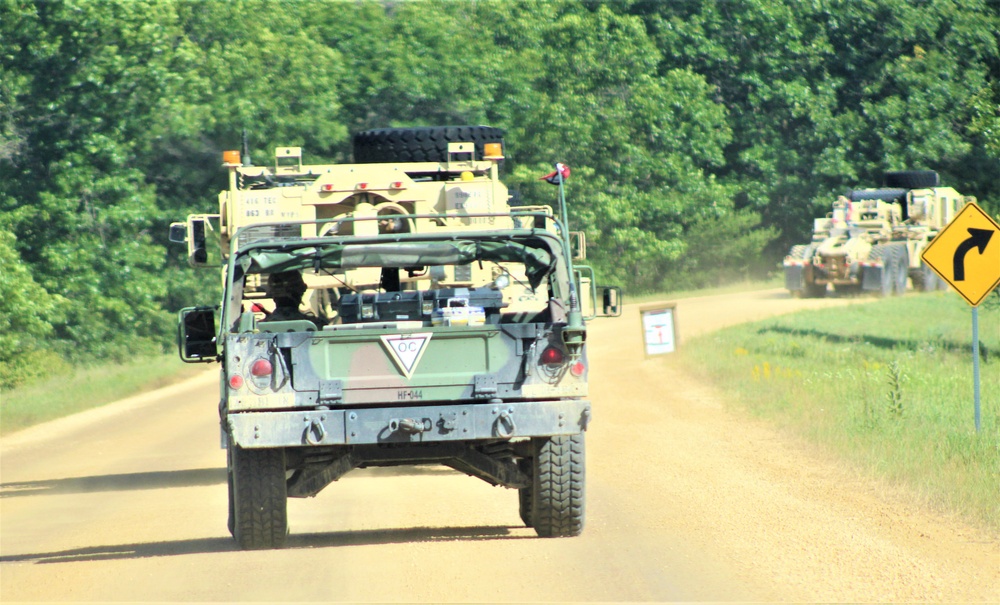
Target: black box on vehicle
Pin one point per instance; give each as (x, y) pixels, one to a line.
(414, 305)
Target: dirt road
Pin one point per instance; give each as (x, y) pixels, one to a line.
(685, 502)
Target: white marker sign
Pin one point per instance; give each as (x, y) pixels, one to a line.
(659, 328)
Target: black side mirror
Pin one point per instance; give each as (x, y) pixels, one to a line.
(611, 297)
(196, 335)
(198, 247)
(178, 233)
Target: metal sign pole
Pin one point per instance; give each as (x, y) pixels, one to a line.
(975, 364)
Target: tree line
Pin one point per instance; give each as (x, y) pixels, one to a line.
(703, 135)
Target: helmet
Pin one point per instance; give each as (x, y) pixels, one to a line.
(287, 284)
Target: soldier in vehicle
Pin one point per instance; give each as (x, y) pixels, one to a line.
(286, 290)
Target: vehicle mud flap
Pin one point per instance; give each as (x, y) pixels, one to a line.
(794, 280)
(871, 279)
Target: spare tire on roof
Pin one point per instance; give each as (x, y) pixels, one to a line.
(885, 195)
(421, 144)
(912, 179)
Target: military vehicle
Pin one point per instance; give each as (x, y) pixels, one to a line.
(872, 239)
(394, 311)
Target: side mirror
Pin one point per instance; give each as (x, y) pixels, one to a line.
(578, 245)
(197, 245)
(611, 297)
(196, 335)
(585, 292)
(196, 233)
(178, 233)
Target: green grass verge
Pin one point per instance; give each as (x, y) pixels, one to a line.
(886, 385)
(77, 390)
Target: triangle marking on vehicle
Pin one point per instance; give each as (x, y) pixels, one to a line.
(406, 350)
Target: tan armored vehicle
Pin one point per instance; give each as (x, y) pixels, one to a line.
(872, 239)
(395, 311)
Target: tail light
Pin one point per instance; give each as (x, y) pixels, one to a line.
(235, 382)
(261, 368)
(577, 369)
(552, 356)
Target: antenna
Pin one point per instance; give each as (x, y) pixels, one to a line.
(246, 149)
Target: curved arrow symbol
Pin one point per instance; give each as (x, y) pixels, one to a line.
(978, 238)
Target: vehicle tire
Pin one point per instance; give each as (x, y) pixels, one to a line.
(901, 274)
(884, 254)
(558, 474)
(809, 289)
(524, 494)
(926, 280)
(798, 251)
(260, 500)
(813, 290)
(794, 284)
(846, 290)
(933, 280)
(231, 521)
(912, 179)
(425, 144)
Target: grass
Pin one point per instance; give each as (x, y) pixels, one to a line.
(887, 386)
(87, 387)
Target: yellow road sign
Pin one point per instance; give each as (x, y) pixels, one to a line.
(966, 254)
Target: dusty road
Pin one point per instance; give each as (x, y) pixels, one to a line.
(686, 502)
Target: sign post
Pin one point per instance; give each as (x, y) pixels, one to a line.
(966, 254)
(659, 328)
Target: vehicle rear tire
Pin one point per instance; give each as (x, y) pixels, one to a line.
(558, 478)
(847, 289)
(813, 290)
(259, 499)
(884, 254)
(798, 251)
(425, 144)
(926, 280)
(524, 495)
(901, 273)
(795, 277)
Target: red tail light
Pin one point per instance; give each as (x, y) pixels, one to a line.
(577, 369)
(235, 382)
(261, 367)
(552, 356)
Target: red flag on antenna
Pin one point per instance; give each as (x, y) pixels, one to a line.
(553, 177)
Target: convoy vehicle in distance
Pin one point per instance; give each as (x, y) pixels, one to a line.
(873, 238)
(394, 311)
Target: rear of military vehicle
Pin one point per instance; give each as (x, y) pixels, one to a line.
(437, 326)
(437, 375)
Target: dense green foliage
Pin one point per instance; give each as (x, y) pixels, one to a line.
(703, 135)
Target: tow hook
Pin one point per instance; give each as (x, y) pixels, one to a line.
(410, 426)
(315, 433)
(505, 426)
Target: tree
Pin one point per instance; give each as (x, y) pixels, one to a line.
(27, 315)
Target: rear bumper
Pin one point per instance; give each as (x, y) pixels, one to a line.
(416, 424)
